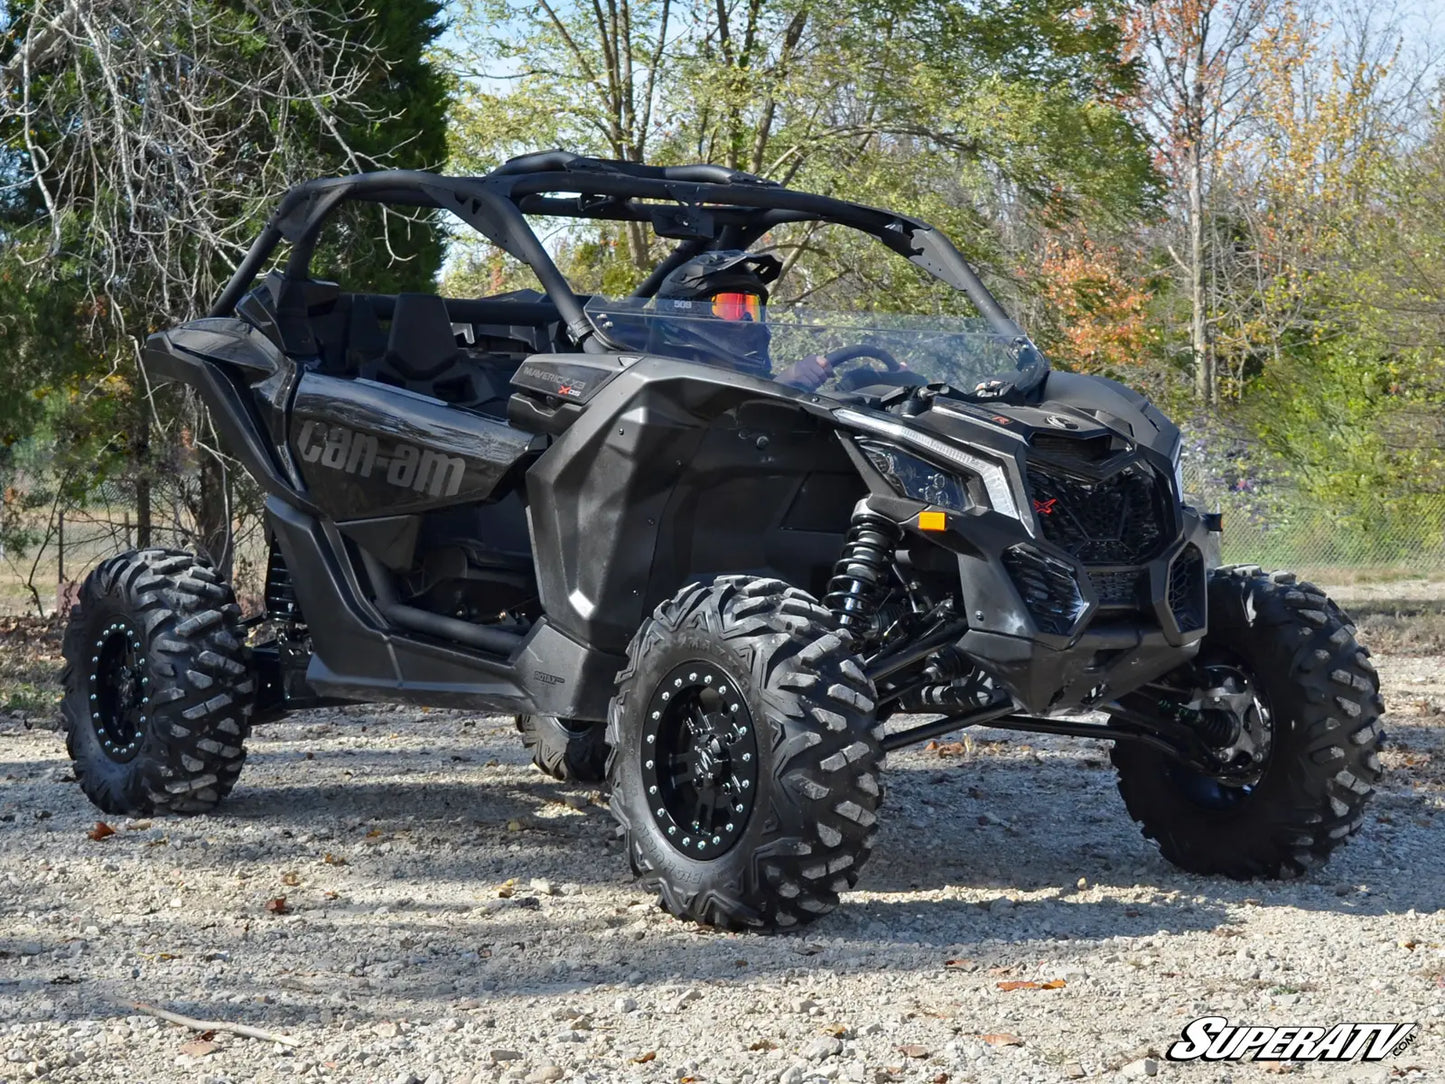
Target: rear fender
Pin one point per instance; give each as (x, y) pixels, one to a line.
(246, 383)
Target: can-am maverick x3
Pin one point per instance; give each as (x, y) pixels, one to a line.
(730, 590)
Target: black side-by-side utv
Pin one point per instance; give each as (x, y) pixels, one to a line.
(727, 591)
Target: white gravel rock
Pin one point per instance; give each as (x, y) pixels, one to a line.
(428, 940)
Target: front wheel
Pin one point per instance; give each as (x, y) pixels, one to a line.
(1293, 703)
(744, 767)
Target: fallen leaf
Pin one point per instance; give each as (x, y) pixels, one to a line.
(1001, 1038)
(334, 859)
(333, 895)
(278, 906)
(1051, 984)
(941, 1078)
(507, 888)
(763, 1044)
(375, 833)
(643, 1059)
(291, 878)
(960, 965)
(100, 831)
(199, 1048)
(835, 1030)
(913, 1050)
(951, 749)
(138, 826)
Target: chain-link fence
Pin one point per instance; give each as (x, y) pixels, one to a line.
(1268, 524)
(1278, 525)
(52, 546)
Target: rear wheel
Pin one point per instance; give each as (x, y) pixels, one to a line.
(158, 690)
(1292, 705)
(744, 767)
(571, 750)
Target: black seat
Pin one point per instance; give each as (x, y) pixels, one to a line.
(422, 343)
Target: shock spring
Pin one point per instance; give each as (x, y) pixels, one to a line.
(859, 580)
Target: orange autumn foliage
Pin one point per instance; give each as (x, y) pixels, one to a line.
(1100, 313)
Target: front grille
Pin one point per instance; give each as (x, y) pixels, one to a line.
(1050, 593)
(1119, 589)
(1125, 519)
(1187, 590)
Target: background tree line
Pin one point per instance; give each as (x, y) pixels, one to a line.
(1234, 205)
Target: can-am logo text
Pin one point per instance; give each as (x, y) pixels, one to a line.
(408, 466)
(1214, 1038)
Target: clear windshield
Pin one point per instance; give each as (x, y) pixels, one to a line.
(838, 353)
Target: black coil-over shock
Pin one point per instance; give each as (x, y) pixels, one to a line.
(860, 577)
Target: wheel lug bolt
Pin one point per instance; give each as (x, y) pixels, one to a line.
(677, 683)
(686, 840)
(707, 679)
(747, 757)
(692, 676)
(651, 738)
(716, 840)
(662, 812)
(652, 789)
(734, 709)
(648, 764)
(667, 696)
(672, 829)
(730, 826)
(701, 844)
(744, 784)
(742, 730)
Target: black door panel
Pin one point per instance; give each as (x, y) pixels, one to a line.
(366, 449)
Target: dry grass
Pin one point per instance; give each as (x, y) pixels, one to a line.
(1400, 626)
(30, 668)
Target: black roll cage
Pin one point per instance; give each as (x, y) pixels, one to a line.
(703, 206)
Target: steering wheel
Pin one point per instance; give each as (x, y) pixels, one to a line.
(894, 371)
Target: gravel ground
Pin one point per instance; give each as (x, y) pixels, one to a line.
(451, 915)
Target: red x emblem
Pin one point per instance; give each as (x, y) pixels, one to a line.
(1046, 508)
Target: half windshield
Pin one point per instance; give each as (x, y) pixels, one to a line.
(835, 353)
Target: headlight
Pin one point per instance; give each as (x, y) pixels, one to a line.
(916, 478)
(991, 474)
(1179, 471)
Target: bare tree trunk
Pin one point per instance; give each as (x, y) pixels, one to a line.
(1204, 381)
(213, 520)
(140, 463)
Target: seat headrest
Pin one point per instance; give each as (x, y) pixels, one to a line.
(422, 343)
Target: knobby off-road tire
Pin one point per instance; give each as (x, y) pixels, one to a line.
(799, 713)
(1323, 694)
(567, 749)
(156, 666)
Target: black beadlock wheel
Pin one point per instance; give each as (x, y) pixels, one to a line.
(1307, 758)
(744, 763)
(571, 750)
(158, 688)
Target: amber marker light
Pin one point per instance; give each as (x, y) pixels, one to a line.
(932, 521)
